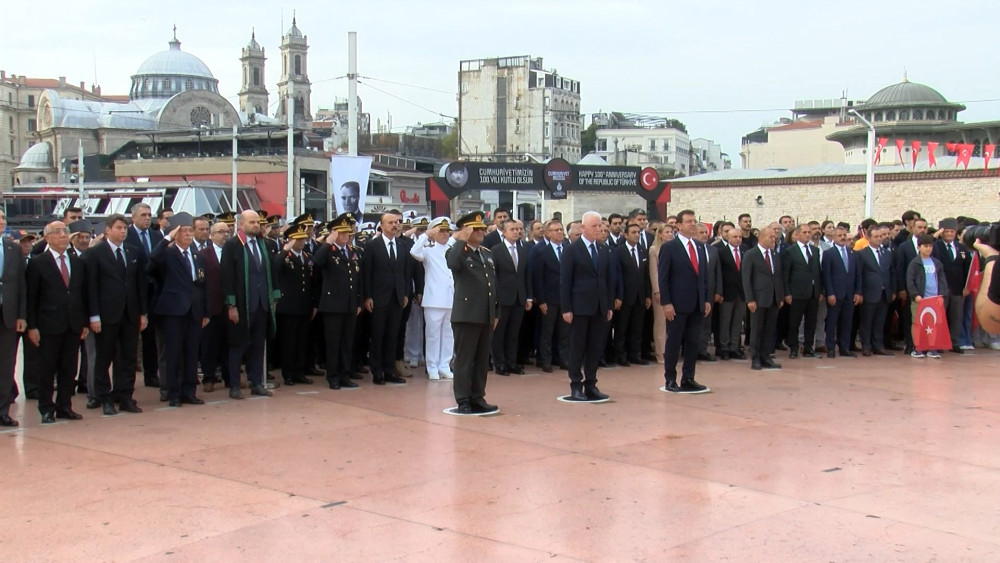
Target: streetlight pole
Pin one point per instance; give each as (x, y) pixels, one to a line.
(870, 169)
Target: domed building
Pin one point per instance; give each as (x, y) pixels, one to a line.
(171, 72)
(911, 112)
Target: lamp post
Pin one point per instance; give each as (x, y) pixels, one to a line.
(870, 169)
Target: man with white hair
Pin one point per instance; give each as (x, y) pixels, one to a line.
(438, 297)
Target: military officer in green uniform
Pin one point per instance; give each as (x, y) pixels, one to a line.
(474, 313)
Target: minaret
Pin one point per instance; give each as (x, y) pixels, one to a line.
(253, 95)
(294, 72)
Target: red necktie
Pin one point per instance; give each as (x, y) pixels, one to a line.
(693, 257)
(64, 270)
(767, 260)
(736, 252)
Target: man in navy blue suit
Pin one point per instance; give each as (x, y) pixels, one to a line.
(683, 280)
(842, 286)
(877, 284)
(545, 264)
(142, 240)
(587, 292)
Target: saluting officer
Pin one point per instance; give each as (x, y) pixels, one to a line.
(339, 299)
(474, 313)
(293, 272)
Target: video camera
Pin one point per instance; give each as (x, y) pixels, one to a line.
(988, 233)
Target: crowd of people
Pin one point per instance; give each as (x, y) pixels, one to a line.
(197, 302)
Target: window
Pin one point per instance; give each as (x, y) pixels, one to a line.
(12, 146)
(602, 145)
(32, 125)
(652, 145)
(189, 84)
(878, 116)
(10, 121)
(256, 76)
(918, 114)
(298, 65)
(31, 101)
(166, 84)
(666, 145)
(891, 116)
(904, 115)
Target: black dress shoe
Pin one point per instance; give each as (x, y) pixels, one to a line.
(623, 363)
(234, 393)
(303, 380)
(189, 401)
(109, 408)
(794, 353)
(356, 376)
(639, 362)
(48, 418)
(594, 394)
(882, 352)
(780, 346)
(378, 380)
(957, 350)
(546, 369)
(847, 354)
(740, 355)
(672, 387)
(809, 354)
(335, 385)
(577, 395)
(152, 381)
(164, 396)
(129, 405)
(289, 381)
(770, 364)
(724, 356)
(394, 379)
(174, 403)
(67, 414)
(866, 353)
(602, 364)
(692, 386)
(260, 391)
(517, 370)
(705, 357)
(481, 407)
(93, 404)
(6, 420)
(564, 367)
(346, 383)
(501, 371)
(755, 364)
(314, 371)
(464, 408)
(831, 354)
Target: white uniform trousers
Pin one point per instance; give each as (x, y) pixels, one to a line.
(440, 340)
(413, 343)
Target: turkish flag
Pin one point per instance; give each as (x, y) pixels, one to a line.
(930, 325)
(931, 147)
(972, 284)
(914, 150)
(964, 154)
(899, 151)
(951, 147)
(987, 155)
(878, 150)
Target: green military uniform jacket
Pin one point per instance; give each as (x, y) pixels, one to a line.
(476, 296)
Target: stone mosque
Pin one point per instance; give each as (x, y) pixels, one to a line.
(171, 91)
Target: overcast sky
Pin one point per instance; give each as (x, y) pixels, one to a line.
(722, 67)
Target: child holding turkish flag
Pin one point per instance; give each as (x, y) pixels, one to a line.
(925, 278)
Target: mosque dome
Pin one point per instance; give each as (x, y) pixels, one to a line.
(905, 93)
(37, 157)
(171, 72)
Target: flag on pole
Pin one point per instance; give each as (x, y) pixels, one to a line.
(931, 159)
(899, 151)
(930, 325)
(964, 154)
(951, 147)
(987, 155)
(972, 282)
(914, 151)
(878, 149)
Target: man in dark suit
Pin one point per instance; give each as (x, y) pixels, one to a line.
(905, 252)
(684, 296)
(493, 238)
(56, 320)
(734, 304)
(587, 294)
(764, 292)
(387, 281)
(249, 296)
(632, 263)
(13, 317)
(877, 290)
(802, 280)
(143, 239)
(181, 307)
(545, 263)
(338, 263)
(616, 225)
(646, 235)
(214, 352)
(842, 287)
(511, 262)
(955, 259)
(474, 313)
(714, 270)
(293, 273)
(116, 284)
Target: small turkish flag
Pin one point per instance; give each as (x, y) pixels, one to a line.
(987, 155)
(964, 154)
(899, 151)
(878, 150)
(930, 325)
(931, 159)
(914, 151)
(972, 284)
(951, 147)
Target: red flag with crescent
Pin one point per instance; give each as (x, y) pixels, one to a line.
(964, 154)
(878, 150)
(951, 147)
(931, 159)
(914, 151)
(930, 325)
(987, 155)
(972, 284)
(899, 151)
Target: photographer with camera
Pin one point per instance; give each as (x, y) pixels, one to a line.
(986, 239)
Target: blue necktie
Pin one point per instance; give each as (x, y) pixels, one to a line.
(593, 254)
(145, 241)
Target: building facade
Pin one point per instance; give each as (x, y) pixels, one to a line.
(253, 94)
(510, 107)
(635, 140)
(295, 75)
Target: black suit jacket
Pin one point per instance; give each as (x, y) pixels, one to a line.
(512, 283)
(383, 280)
(634, 277)
(179, 294)
(877, 278)
(732, 281)
(12, 284)
(680, 285)
(585, 290)
(492, 239)
(115, 295)
(801, 279)
(955, 269)
(904, 254)
(341, 280)
(294, 280)
(213, 282)
(52, 307)
(759, 284)
(545, 274)
(842, 283)
(714, 271)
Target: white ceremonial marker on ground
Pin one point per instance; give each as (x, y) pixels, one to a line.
(566, 399)
(453, 411)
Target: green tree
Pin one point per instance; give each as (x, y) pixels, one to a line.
(588, 140)
(449, 144)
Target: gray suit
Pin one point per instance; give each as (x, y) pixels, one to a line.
(13, 293)
(763, 287)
